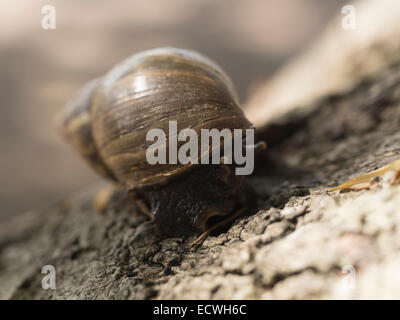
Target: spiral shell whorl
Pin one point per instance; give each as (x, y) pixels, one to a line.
(148, 90)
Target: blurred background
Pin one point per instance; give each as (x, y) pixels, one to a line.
(41, 69)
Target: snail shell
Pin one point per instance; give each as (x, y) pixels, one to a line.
(108, 121)
(75, 125)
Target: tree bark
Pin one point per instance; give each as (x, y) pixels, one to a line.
(304, 241)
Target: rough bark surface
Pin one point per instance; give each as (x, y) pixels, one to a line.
(304, 241)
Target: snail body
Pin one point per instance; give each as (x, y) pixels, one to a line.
(107, 123)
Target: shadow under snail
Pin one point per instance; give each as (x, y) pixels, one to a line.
(108, 120)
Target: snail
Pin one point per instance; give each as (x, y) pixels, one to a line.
(108, 120)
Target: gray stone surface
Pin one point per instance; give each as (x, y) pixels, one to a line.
(303, 241)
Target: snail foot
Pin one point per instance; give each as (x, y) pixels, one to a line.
(103, 197)
(214, 227)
